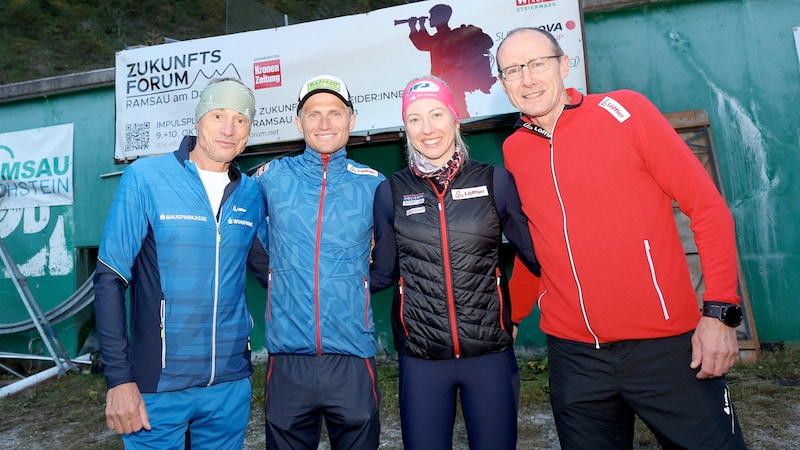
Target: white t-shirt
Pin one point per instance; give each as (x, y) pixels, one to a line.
(215, 183)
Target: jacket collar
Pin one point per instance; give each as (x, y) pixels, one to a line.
(187, 146)
(576, 100)
(336, 160)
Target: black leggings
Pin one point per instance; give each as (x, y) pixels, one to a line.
(488, 386)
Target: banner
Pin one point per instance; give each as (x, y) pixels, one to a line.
(376, 54)
(36, 167)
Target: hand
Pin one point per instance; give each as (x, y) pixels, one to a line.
(514, 331)
(125, 411)
(714, 348)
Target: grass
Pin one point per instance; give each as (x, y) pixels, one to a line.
(68, 412)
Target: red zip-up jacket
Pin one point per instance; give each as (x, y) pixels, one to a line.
(598, 193)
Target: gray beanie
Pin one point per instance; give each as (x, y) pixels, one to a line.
(226, 94)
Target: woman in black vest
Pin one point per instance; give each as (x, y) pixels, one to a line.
(439, 226)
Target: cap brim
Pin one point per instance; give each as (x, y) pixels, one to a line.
(319, 91)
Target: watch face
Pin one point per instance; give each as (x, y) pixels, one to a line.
(732, 315)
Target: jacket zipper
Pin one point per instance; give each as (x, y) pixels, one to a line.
(566, 237)
(500, 296)
(366, 306)
(325, 159)
(402, 306)
(216, 302)
(655, 280)
(218, 239)
(448, 278)
(269, 295)
(163, 315)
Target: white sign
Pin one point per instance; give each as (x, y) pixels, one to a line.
(376, 54)
(36, 167)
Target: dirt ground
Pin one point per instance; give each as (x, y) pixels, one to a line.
(46, 429)
(68, 413)
(48, 423)
(38, 430)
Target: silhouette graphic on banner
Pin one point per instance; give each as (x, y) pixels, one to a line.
(460, 56)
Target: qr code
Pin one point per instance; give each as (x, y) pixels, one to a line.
(137, 136)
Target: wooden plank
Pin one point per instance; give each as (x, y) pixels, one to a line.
(694, 127)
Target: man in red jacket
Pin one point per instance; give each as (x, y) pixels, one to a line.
(597, 175)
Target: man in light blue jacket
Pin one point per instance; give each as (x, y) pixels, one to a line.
(178, 235)
(319, 327)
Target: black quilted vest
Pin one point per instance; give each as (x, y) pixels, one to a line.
(452, 299)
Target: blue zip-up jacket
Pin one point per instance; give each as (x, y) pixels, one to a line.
(186, 266)
(319, 209)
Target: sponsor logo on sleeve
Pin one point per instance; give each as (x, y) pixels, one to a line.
(262, 169)
(362, 170)
(616, 110)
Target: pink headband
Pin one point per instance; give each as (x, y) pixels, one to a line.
(428, 88)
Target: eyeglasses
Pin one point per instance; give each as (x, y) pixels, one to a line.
(537, 65)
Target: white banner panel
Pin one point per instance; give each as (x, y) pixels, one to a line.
(376, 54)
(36, 167)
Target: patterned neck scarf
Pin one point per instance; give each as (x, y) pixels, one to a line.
(441, 175)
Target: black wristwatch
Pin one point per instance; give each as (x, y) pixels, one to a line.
(728, 313)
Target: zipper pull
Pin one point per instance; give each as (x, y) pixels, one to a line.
(325, 157)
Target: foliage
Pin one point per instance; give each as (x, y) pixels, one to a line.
(46, 38)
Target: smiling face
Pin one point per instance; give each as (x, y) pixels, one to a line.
(540, 96)
(325, 122)
(221, 136)
(431, 130)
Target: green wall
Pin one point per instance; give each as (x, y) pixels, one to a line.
(92, 113)
(736, 60)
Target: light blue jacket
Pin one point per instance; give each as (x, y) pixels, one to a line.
(185, 265)
(319, 210)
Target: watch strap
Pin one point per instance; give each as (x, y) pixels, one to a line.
(717, 310)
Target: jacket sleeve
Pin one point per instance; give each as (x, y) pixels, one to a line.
(512, 219)
(109, 293)
(258, 257)
(124, 233)
(681, 176)
(523, 288)
(524, 283)
(383, 268)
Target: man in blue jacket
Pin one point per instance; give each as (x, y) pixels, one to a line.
(319, 328)
(178, 235)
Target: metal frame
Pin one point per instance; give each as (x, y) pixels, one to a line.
(54, 347)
